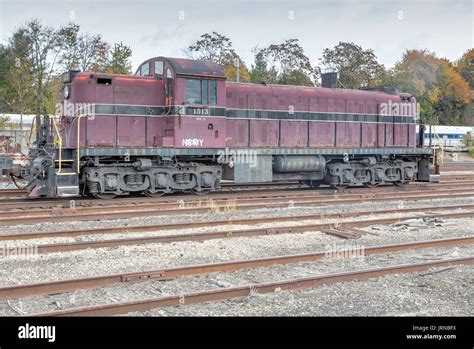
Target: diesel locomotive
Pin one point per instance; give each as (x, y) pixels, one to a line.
(178, 125)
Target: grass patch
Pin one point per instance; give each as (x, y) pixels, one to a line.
(470, 151)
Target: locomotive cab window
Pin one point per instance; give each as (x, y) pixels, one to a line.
(201, 92)
(145, 69)
(159, 68)
(213, 92)
(193, 91)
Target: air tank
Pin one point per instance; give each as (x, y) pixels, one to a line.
(298, 163)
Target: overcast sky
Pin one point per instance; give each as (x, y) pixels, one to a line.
(164, 28)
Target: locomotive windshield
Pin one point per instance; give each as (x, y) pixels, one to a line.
(201, 92)
(193, 91)
(159, 68)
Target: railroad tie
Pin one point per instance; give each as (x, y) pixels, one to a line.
(347, 233)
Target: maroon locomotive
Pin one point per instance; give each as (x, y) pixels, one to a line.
(177, 125)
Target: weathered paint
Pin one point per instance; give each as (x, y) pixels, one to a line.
(162, 128)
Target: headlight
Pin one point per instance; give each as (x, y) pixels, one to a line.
(66, 91)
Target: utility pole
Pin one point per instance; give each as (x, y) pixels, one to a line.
(237, 66)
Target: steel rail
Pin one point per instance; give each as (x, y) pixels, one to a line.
(80, 245)
(24, 204)
(216, 295)
(226, 222)
(69, 285)
(211, 206)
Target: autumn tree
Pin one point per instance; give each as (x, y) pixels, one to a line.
(356, 67)
(217, 48)
(286, 63)
(442, 93)
(465, 67)
(454, 95)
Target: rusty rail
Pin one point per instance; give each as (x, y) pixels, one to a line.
(223, 222)
(245, 291)
(120, 212)
(61, 286)
(73, 246)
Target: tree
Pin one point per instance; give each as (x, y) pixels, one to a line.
(5, 122)
(230, 64)
(81, 51)
(44, 52)
(442, 93)
(213, 47)
(465, 67)
(259, 72)
(356, 67)
(35, 56)
(6, 64)
(454, 94)
(217, 48)
(288, 64)
(119, 61)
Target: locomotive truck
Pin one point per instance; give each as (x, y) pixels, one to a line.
(178, 125)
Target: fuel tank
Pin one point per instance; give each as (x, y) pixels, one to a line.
(298, 163)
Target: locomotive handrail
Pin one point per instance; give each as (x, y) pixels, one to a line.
(78, 141)
(60, 143)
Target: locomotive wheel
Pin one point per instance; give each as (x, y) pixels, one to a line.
(339, 186)
(107, 196)
(313, 184)
(400, 184)
(371, 185)
(200, 193)
(152, 194)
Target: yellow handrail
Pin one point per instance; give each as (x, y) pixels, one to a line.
(60, 142)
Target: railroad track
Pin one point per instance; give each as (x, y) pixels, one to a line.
(228, 233)
(162, 274)
(215, 223)
(12, 192)
(457, 166)
(221, 294)
(7, 195)
(23, 205)
(212, 206)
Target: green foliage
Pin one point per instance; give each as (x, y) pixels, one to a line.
(468, 139)
(470, 151)
(119, 61)
(5, 122)
(465, 67)
(439, 88)
(217, 48)
(35, 56)
(357, 67)
(285, 63)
